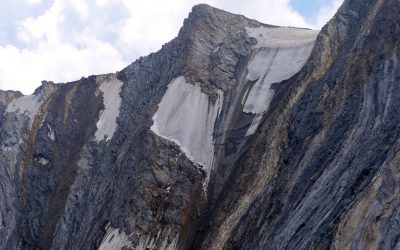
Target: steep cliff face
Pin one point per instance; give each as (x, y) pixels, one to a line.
(235, 135)
(319, 171)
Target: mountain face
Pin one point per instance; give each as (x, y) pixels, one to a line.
(235, 135)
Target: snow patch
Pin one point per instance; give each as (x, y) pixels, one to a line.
(146, 243)
(187, 117)
(28, 105)
(270, 66)
(51, 133)
(43, 161)
(254, 125)
(278, 55)
(281, 37)
(110, 86)
(149, 242)
(115, 239)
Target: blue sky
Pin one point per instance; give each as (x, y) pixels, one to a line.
(309, 8)
(63, 40)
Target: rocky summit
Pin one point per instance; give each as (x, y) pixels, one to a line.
(235, 135)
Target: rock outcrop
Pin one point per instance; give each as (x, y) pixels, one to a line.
(235, 135)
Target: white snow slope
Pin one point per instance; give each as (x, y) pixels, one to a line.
(278, 55)
(107, 124)
(28, 105)
(115, 239)
(187, 116)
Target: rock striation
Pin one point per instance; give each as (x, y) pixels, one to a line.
(235, 135)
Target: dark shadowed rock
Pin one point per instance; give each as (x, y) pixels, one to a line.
(235, 135)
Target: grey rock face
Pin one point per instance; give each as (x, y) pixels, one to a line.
(330, 133)
(302, 134)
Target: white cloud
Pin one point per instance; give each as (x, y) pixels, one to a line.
(48, 56)
(74, 38)
(24, 69)
(153, 23)
(102, 2)
(80, 7)
(33, 1)
(278, 12)
(44, 27)
(326, 12)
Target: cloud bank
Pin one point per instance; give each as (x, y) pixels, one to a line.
(63, 40)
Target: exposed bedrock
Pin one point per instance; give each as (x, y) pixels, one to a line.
(235, 135)
(306, 180)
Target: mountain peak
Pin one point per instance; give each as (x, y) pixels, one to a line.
(218, 16)
(235, 135)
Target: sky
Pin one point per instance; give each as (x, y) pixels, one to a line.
(64, 40)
